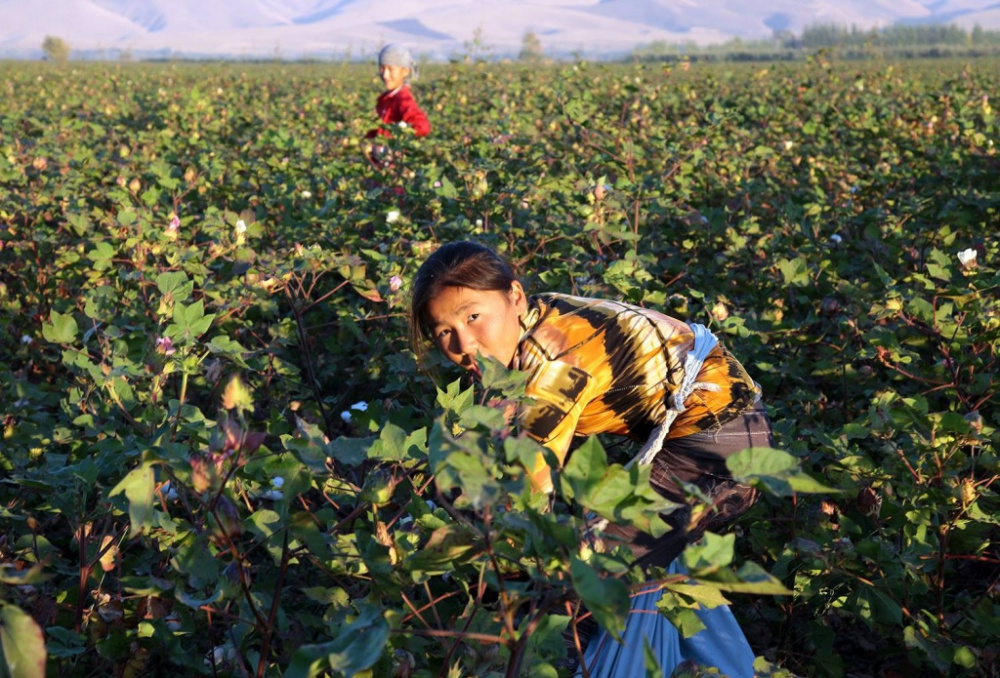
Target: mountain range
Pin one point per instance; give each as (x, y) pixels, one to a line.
(436, 29)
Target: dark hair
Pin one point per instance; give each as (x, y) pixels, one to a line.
(456, 264)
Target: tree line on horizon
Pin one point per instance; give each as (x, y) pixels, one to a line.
(903, 39)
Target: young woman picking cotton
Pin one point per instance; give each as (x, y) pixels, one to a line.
(598, 366)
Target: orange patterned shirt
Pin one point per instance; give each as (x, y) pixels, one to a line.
(601, 366)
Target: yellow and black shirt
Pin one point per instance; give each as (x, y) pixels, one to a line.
(600, 366)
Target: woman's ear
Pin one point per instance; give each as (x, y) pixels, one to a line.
(518, 297)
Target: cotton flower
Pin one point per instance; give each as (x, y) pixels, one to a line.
(392, 217)
(395, 282)
(173, 228)
(307, 194)
(967, 258)
(241, 227)
(165, 345)
(479, 223)
(789, 145)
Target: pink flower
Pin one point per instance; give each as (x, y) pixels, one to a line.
(395, 282)
(165, 345)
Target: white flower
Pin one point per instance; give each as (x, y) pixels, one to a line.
(789, 145)
(967, 258)
(241, 227)
(392, 217)
(277, 481)
(836, 239)
(479, 223)
(307, 194)
(346, 416)
(437, 184)
(395, 282)
(25, 339)
(402, 124)
(218, 90)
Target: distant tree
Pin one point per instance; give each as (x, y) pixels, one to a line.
(477, 49)
(55, 48)
(531, 47)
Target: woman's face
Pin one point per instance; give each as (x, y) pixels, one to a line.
(393, 76)
(465, 323)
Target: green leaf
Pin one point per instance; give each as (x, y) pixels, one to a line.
(347, 451)
(191, 319)
(176, 284)
(23, 643)
(775, 470)
(613, 492)
(463, 462)
(447, 548)
(357, 647)
(394, 444)
(795, 272)
(61, 329)
(232, 349)
(11, 575)
(138, 487)
(712, 553)
(446, 189)
(607, 598)
(965, 657)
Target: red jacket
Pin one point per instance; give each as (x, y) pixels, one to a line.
(400, 106)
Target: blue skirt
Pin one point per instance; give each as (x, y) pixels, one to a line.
(721, 644)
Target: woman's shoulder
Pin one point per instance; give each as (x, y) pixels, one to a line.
(598, 310)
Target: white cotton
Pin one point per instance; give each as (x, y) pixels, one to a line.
(967, 257)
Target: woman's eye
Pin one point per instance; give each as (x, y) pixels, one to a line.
(473, 317)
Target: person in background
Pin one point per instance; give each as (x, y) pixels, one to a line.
(599, 366)
(396, 104)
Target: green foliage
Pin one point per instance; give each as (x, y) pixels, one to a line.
(22, 643)
(219, 455)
